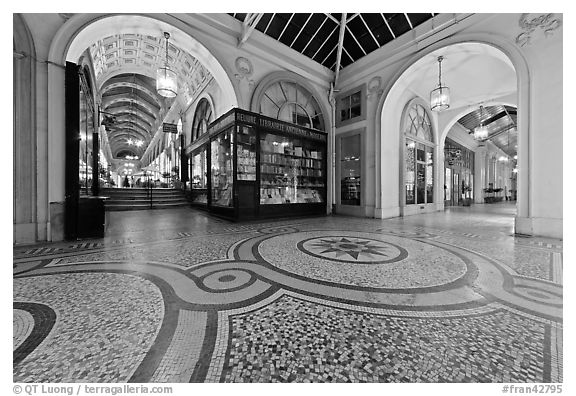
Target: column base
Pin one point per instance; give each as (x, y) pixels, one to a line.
(539, 226)
(386, 213)
(24, 233)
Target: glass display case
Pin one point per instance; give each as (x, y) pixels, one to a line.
(199, 179)
(222, 180)
(261, 167)
(291, 170)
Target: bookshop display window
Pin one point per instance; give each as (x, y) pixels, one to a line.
(246, 153)
(291, 170)
(249, 166)
(418, 156)
(350, 170)
(222, 149)
(199, 176)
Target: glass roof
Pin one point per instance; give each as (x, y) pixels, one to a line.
(317, 36)
(501, 123)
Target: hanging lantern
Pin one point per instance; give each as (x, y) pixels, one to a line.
(166, 80)
(481, 131)
(440, 96)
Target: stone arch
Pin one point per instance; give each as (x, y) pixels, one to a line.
(81, 30)
(520, 65)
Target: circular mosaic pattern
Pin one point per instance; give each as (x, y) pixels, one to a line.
(23, 323)
(225, 280)
(353, 250)
(362, 259)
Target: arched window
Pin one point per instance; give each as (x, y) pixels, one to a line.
(202, 118)
(289, 101)
(418, 155)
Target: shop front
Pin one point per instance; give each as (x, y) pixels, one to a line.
(458, 174)
(251, 166)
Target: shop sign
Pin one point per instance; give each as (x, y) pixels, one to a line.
(224, 122)
(291, 128)
(169, 128)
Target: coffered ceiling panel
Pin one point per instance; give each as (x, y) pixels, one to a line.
(125, 66)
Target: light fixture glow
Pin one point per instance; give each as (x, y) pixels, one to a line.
(440, 96)
(166, 80)
(481, 131)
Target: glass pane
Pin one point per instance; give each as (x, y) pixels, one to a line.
(246, 153)
(290, 102)
(345, 108)
(199, 177)
(221, 169)
(291, 170)
(86, 160)
(429, 174)
(350, 170)
(409, 176)
(420, 183)
(199, 169)
(420, 152)
(447, 184)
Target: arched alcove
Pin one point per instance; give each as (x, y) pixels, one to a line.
(418, 76)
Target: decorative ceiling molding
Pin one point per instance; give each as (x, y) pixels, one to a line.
(374, 88)
(117, 52)
(66, 16)
(547, 23)
(245, 69)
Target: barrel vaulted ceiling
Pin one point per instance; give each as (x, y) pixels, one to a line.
(125, 66)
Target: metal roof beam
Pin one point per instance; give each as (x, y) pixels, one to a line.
(409, 21)
(370, 31)
(352, 17)
(340, 46)
(354, 37)
(327, 38)
(301, 30)
(317, 30)
(387, 25)
(285, 26)
(248, 26)
(332, 18)
(499, 132)
(509, 116)
(269, 22)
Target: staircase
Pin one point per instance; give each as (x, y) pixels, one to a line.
(139, 198)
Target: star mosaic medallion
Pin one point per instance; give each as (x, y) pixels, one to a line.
(350, 249)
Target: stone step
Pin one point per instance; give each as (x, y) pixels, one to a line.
(145, 201)
(139, 198)
(144, 206)
(138, 191)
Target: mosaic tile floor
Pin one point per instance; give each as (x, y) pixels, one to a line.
(176, 296)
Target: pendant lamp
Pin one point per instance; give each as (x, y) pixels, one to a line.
(440, 96)
(166, 80)
(481, 131)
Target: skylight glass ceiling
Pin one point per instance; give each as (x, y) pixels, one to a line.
(317, 35)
